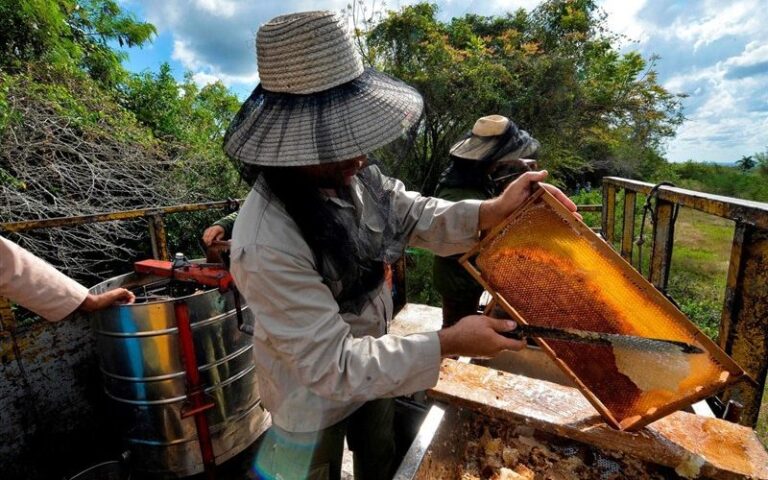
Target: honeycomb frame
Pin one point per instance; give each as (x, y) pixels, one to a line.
(555, 242)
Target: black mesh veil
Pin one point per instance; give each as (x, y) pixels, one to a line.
(351, 247)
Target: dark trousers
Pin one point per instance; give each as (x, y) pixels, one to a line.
(454, 309)
(317, 455)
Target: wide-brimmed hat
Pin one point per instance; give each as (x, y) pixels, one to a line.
(316, 103)
(494, 137)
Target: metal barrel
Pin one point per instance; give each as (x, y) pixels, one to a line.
(144, 376)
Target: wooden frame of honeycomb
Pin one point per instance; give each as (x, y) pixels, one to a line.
(545, 267)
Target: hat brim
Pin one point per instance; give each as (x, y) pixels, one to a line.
(479, 148)
(474, 147)
(344, 122)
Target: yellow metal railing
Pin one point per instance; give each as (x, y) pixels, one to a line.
(155, 221)
(743, 332)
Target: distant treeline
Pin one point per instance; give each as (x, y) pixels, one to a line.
(732, 181)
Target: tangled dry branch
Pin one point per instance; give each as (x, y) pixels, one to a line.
(51, 165)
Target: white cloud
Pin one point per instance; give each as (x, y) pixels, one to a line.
(622, 19)
(681, 82)
(509, 5)
(223, 8)
(725, 124)
(184, 54)
(717, 52)
(754, 53)
(720, 19)
(202, 79)
(205, 73)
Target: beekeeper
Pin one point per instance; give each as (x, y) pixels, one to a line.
(483, 163)
(311, 242)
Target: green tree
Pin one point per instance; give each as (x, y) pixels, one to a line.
(556, 71)
(79, 135)
(191, 119)
(155, 100)
(74, 35)
(761, 162)
(746, 163)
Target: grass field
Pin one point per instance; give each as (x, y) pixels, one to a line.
(697, 277)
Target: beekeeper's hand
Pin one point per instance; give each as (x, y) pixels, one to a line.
(495, 210)
(101, 301)
(477, 336)
(212, 234)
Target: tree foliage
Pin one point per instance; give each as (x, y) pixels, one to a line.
(192, 121)
(761, 162)
(720, 179)
(746, 163)
(80, 135)
(70, 149)
(69, 34)
(556, 71)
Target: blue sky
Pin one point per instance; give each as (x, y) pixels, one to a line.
(714, 51)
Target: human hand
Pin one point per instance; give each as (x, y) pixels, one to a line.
(495, 210)
(107, 299)
(212, 234)
(477, 336)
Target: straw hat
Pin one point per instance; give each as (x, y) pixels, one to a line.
(493, 137)
(316, 103)
(490, 126)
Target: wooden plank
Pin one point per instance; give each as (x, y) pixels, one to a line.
(416, 318)
(663, 238)
(747, 211)
(628, 230)
(707, 446)
(609, 212)
(743, 332)
(159, 238)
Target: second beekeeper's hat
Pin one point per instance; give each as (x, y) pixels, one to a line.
(493, 137)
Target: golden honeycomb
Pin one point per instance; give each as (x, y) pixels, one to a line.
(554, 271)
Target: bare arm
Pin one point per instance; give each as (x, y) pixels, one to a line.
(101, 301)
(33, 283)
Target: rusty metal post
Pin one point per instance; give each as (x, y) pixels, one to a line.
(159, 238)
(609, 211)
(743, 332)
(7, 317)
(663, 236)
(628, 230)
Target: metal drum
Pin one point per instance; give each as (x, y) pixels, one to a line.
(145, 378)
